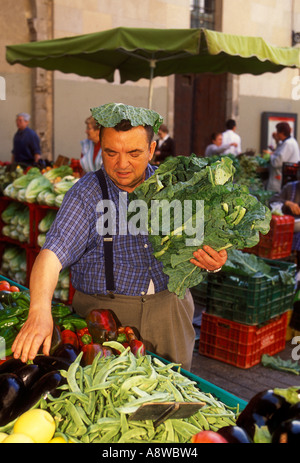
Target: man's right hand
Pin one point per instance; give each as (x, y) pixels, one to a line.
(36, 331)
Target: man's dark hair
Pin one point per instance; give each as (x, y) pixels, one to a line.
(125, 125)
(230, 124)
(283, 127)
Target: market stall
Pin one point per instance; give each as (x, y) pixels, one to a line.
(121, 395)
(99, 385)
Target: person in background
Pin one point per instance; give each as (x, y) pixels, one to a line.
(230, 136)
(165, 145)
(26, 143)
(217, 146)
(91, 153)
(287, 151)
(289, 197)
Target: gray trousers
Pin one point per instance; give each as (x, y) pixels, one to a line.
(164, 322)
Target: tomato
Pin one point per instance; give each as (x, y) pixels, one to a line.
(208, 437)
(14, 289)
(4, 286)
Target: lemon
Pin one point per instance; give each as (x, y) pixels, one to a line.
(58, 440)
(38, 424)
(17, 438)
(3, 435)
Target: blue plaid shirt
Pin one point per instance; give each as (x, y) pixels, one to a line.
(74, 239)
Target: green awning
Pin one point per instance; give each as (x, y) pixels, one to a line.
(146, 53)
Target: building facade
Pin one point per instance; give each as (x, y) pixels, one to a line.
(193, 106)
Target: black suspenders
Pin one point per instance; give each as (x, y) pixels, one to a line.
(107, 240)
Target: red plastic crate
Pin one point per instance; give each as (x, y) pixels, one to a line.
(238, 344)
(276, 244)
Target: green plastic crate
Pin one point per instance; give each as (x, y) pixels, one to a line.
(11, 282)
(250, 300)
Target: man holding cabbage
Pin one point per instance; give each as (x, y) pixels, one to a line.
(124, 276)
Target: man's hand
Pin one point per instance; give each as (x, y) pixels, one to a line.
(294, 207)
(37, 330)
(209, 259)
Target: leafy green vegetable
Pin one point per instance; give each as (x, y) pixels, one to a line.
(61, 171)
(110, 114)
(45, 224)
(36, 185)
(233, 218)
(242, 263)
(64, 185)
(278, 363)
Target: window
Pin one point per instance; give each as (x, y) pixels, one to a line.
(202, 14)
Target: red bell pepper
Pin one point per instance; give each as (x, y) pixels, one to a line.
(69, 337)
(84, 337)
(129, 333)
(90, 351)
(102, 325)
(137, 347)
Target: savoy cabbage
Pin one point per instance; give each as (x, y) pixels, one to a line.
(233, 218)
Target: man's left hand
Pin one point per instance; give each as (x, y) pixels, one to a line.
(209, 259)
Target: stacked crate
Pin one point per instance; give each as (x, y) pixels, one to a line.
(246, 316)
(31, 247)
(277, 244)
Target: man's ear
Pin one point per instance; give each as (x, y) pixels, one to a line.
(152, 149)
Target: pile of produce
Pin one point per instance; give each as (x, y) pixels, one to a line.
(14, 308)
(46, 188)
(8, 173)
(16, 222)
(271, 416)
(233, 218)
(14, 264)
(93, 403)
(44, 226)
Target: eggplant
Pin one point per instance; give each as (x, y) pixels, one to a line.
(261, 410)
(11, 365)
(11, 395)
(29, 374)
(288, 432)
(294, 411)
(50, 363)
(235, 435)
(66, 352)
(46, 385)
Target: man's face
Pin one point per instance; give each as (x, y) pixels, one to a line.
(218, 140)
(280, 136)
(126, 156)
(21, 123)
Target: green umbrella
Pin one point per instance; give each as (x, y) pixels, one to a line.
(147, 53)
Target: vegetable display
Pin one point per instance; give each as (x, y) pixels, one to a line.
(16, 222)
(14, 263)
(233, 218)
(46, 188)
(271, 416)
(97, 400)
